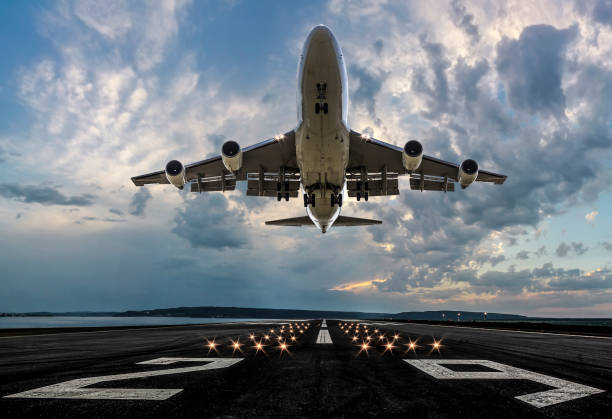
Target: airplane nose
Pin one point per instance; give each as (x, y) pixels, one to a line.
(320, 33)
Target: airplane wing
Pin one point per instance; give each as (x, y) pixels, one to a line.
(380, 164)
(263, 166)
(341, 221)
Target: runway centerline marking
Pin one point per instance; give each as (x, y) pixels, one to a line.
(74, 389)
(323, 337)
(562, 390)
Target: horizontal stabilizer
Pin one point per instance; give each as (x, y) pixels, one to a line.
(292, 222)
(341, 221)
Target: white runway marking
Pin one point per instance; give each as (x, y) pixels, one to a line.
(562, 390)
(324, 336)
(73, 389)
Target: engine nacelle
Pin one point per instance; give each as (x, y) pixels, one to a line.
(231, 154)
(175, 173)
(412, 155)
(468, 172)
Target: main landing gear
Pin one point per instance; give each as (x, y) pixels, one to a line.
(309, 199)
(336, 199)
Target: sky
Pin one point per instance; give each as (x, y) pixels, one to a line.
(93, 93)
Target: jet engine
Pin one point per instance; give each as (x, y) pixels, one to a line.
(231, 154)
(468, 171)
(412, 155)
(175, 173)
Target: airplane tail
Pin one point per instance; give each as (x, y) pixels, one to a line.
(341, 221)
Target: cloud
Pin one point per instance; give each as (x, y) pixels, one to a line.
(541, 251)
(602, 12)
(208, 221)
(590, 217)
(368, 87)
(577, 247)
(464, 20)
(139, 201)
(522, 255)
(532, 68)
(44, 195)
(115, 211)
(607, 246)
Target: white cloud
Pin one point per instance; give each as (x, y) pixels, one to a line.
(590, 217)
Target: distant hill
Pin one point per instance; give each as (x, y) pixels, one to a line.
(270, 313)
(452, 315)
(254, 313)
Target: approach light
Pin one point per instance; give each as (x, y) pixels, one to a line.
(354, 338)
(395, 337)
(266, 337)
(252, 336)
(292, 337)
(381, 337)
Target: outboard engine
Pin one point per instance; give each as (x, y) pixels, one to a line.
(412, 155)
(468, 172)
(231, 154)
(175, 173)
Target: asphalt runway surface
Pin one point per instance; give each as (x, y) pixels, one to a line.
(174, 371)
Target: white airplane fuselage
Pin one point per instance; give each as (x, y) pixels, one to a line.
(322, 133)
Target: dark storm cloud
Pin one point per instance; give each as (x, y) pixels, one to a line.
(532, 68)
(207, 221)
(438, 92)
(522, 255)
(607, 246)
(579, 248)
(115, 211)
(369, 86)
(139, 201)
(44, 195)
(464, 20)
(484, 128)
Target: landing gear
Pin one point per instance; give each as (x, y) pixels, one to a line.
(309, 199)
(321, 106)
(365, 196)
(336, 199)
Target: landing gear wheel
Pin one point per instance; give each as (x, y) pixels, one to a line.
(305, 200)
(340, 199)
(317, 108)
(358, 196)
(333, 200)
(287, 196)
(366, 196)
(325, 108)
(278, 197)
(312, 200)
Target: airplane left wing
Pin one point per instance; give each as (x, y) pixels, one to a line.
(264, 166)
(380, 164)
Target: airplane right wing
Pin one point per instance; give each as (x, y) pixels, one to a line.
(380, 164)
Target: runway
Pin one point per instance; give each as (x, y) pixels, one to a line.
(326, 369)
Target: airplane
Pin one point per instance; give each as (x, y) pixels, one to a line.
(321, 156)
